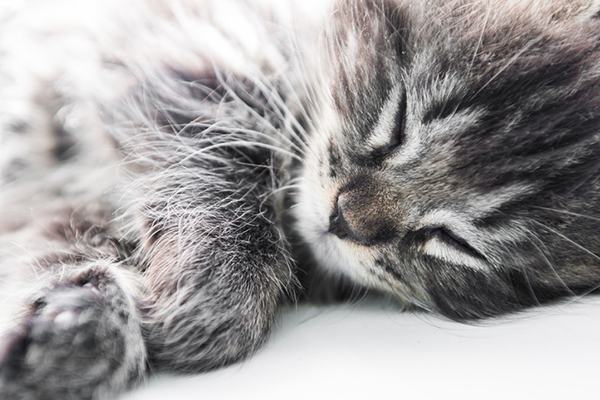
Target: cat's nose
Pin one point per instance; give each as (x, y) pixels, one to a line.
(362, 214)
(338, 225)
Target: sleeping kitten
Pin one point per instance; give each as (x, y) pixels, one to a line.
(172, 171)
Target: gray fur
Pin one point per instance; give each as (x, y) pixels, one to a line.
(173, 171)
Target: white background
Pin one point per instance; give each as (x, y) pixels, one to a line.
(372, 351)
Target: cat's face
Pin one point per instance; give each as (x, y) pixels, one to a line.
(456, 153)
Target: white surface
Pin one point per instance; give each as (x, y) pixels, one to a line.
(370, 351)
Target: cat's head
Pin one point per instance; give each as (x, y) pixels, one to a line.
(455, 155)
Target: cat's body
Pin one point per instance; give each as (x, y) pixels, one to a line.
(172, 169)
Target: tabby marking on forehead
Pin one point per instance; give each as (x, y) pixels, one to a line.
(481, 205)
(386, 123)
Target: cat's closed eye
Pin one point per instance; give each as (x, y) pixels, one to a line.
(442, 244)
(450, 239)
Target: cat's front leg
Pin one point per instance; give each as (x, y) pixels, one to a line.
(214, 287)
(79, 338)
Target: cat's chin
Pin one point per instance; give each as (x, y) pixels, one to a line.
(337, 256)
(338, 260)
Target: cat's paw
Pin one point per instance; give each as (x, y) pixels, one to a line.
(57, 340)
(74, 344)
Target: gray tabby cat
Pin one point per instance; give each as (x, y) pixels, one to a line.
(173, 171)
